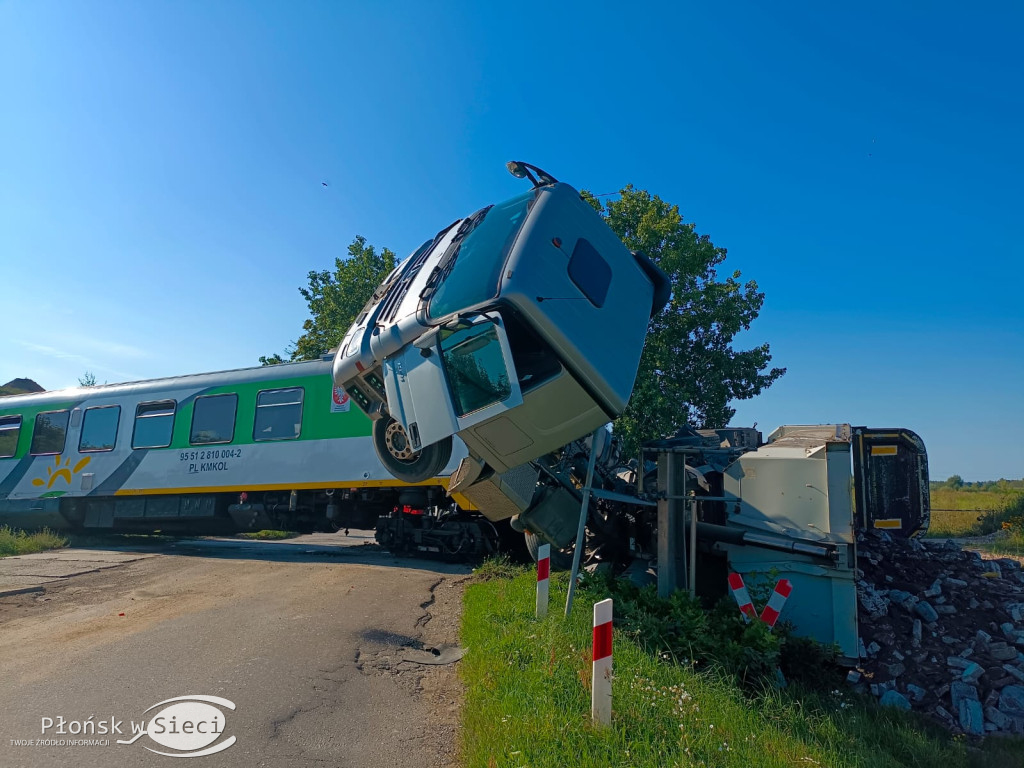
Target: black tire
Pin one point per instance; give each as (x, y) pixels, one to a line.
(392, 447)
(561, 560)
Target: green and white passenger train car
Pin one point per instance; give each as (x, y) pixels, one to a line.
(275, 446)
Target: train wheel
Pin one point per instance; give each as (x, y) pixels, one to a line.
(395, 452)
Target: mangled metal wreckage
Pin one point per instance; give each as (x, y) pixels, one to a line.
(518, 331)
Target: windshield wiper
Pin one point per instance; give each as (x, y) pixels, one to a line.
(447, 263)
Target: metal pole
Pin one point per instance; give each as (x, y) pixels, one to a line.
(666, 524)
(693, 548)
(680, 509)
(581, 536)
(672, 561)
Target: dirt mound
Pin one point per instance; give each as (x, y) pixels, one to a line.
(18, 386)
(942, 632)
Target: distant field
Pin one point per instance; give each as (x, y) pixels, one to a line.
(948, 498)
(971, 513)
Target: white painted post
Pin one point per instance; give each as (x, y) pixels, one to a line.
(601, 685)
(543, 574)
(780, 595)
(739, 591)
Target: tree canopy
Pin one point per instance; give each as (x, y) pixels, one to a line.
(335, 298)
(690, 371)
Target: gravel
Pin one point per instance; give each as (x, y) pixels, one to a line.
(942, 632)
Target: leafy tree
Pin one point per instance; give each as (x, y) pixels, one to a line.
(87, 379)
(955, 482)
(335, 298)
(690, 371)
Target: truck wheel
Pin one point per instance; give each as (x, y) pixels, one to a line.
(396, 454)
(560, 559)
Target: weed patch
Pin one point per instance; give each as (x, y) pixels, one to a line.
(268, 535)
(18, 542)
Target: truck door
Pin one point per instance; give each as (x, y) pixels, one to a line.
(890, 472)
(451, 380)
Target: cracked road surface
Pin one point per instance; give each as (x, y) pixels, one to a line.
(308, 641)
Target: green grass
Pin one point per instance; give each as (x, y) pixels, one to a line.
(971, 513)
(1013, 544)
(950, 498)
(955, 513)
(956, 524)
(268, 535)
(528, 703)
(18, 542)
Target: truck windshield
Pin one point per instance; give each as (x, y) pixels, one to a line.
(473, 278)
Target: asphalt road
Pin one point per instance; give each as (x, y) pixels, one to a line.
(318, 645)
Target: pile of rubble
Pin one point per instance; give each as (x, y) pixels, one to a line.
(941, 632)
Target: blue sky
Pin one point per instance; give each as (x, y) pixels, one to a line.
(161, 169)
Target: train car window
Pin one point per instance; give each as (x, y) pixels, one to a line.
(50, 432)
(590, 272)
(10, 430)
(213, 419)
(154, 423)
(99, 428)
(278, 414)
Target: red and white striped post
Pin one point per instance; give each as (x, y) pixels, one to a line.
(601, 685)
(739, 591)
(543, 574)
(771, 612)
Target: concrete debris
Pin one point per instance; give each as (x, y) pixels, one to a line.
(1011, 700)
(894, 699)
(972, 719)
(958, 691)
(925, 611)
(942, 633)
(1014, 671)
(917, 693)
(973, 673)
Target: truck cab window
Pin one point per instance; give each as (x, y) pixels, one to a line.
(476, 369)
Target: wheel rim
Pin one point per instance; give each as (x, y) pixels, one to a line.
(397, 442)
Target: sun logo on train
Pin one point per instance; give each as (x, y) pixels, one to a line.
(59, 469)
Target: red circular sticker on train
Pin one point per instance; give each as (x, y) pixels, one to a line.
(340, 400)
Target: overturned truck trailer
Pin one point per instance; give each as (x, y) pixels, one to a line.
(519, 330)
(790, 507)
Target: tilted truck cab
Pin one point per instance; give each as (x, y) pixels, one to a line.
(519, 329)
